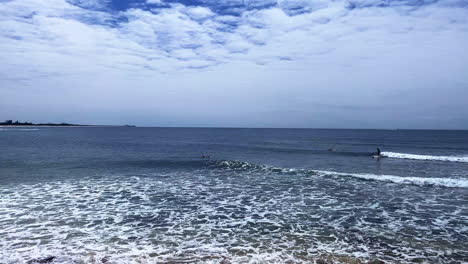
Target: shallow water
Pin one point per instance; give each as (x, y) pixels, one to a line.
(145, 195)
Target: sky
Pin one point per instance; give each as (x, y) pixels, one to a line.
(236, 63)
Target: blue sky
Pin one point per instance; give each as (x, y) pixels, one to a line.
(236, 63)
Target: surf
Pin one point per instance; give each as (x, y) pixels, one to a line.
(247, 167)
(397, 155)
(421, 181)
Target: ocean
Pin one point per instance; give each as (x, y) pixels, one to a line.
(152, 195)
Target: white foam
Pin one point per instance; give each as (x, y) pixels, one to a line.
(422, 181)
(209, 217)
(425, 157)
(87, 220)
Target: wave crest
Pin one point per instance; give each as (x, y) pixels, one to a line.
(421, 181)
(424, 157)
(247, 166)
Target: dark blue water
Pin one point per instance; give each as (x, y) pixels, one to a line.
(132, 195)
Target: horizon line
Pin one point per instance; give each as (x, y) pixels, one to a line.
(232, 127)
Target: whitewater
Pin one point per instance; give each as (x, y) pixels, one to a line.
(397, 155)
(150, 195)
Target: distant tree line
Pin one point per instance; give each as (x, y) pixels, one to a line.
(18, 123)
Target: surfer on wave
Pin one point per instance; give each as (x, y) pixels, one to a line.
(378, 154)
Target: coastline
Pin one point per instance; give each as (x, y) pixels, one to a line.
(3, 126)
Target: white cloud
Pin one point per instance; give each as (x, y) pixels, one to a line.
(325, 53)
(198, 13)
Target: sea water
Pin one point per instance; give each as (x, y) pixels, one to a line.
(152, 195)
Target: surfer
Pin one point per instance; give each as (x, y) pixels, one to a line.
(377, 155)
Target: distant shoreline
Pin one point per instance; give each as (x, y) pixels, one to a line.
(202, 127)
(61, 126)
(10, 123)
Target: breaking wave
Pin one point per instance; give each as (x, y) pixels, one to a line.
(421, 181)
(225, 211)
(251, 167)
(425, 157)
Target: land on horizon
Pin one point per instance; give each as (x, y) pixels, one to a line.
(10, 123)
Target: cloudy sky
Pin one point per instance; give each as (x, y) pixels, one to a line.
(236, 63)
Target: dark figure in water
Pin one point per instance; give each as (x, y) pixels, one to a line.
(377, 155)
(205, 156)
